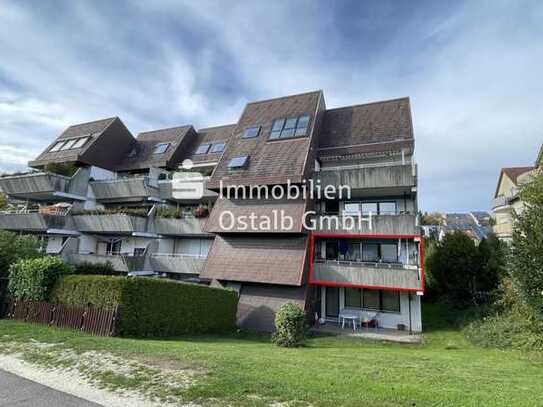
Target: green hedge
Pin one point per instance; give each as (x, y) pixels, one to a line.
(105, 269)
(153, 307)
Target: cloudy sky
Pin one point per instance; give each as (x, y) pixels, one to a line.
(473, 71)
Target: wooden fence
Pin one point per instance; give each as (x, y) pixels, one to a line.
(91, 320)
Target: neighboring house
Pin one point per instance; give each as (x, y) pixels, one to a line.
(506, 200)
(475, 225)
(123, 206)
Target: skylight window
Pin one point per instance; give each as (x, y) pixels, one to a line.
(203, 148)
(161, 148)
(68, 145)
(238, 162)
(57, 146)
(80, 142)
(217, 148)
(290, 127)
(251, 132)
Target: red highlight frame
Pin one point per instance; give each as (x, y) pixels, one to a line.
(312, 281)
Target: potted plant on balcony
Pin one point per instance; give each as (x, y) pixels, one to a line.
(202, 211)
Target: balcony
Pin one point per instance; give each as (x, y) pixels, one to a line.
(129, 189)
(44, 186)
(122, 263)
(503, 230)
(394, 179)
(34, 222)
(381, 275)
(185, 226)
(117, 223)
(177, 263)
(402, 224)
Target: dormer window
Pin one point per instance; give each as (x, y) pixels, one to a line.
(68, 145)
(251, 132)
(80, 142)
(217, 148)
(290, 127)
(203, 148)
(238, 162)
(161, 148)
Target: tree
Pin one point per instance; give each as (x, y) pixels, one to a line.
(527, 246)
(431, 219)
(15, 247)
(3, 201)
(462, 271)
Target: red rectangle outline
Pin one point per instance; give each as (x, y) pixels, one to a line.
(312, 281)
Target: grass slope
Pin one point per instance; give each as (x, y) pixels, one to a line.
(446, 370)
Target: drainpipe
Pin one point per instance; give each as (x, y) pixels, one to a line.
(410, 323)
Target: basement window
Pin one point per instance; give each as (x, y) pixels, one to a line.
(161, 148)
(203, 148)
(251, 132)
(238, 162)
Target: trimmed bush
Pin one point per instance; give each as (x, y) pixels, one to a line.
(104, 269)
(290, 325)
(153, 307)
(33, 279)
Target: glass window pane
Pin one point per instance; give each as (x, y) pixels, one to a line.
(251, 132)
(203, 148)
(57, 146)
(278, 125)
(161, 148)
(68, 145)
(390, 301)
(303, 121)
(353, 297)
(217, 148)
(331, 250)
(332, 206)
(351, 208)
(275, 135)
(369, 207)
(286, 133)
(238, 162)
(370, 252)
(80, 142)
(387, 208)
(353, 251)
(371, 299)
(291, 123)
(301, 132)
(389, 253)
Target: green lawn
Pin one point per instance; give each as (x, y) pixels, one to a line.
(444, 371)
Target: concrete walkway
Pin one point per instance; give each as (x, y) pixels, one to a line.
(16, 391)
(378, 334)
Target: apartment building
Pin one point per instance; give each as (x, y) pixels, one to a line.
(121, 203)
(507, 201)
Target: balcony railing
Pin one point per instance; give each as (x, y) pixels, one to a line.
(393, 275)
(177, 263)
(125, 189)
(44, 186)
(117, 223)
(187, 225)
(120, 262)
(167, 192)
(399, 176)
(39, 220)
(401, 224)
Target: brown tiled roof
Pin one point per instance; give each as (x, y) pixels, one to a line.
(371, 127)
(93, 129)
(262, 208)
(270, 162)
(209, 135)
(265, 260)
(146, 143)
(514, 172)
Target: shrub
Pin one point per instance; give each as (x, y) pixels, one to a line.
(15, 247)
(33, 279)
(153, 307)
(66, 169)
(290, 325)
(105, 269)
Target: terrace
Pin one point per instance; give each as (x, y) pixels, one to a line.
(126, 189)
(177, 263)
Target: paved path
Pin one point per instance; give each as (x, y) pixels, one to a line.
(18, 392)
